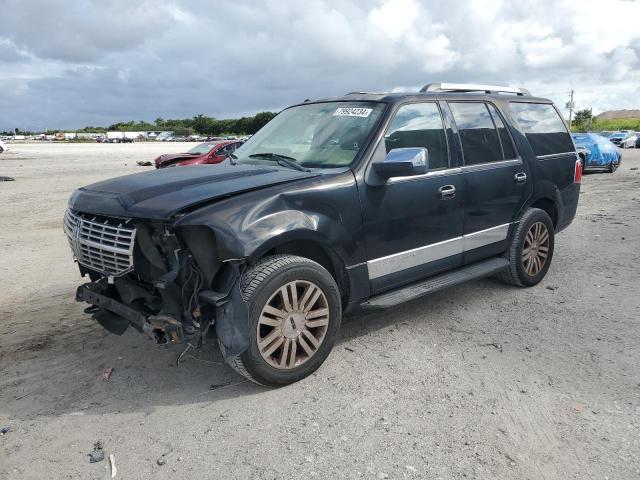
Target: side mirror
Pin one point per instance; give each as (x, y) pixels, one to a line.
(403, 162)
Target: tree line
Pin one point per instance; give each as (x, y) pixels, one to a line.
(200, 124)
(585, 122)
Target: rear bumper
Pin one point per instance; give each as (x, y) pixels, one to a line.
(161, 328)
(569, 198)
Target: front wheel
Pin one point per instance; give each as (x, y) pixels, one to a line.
(613, 166)
(294, 317)
(531, 249)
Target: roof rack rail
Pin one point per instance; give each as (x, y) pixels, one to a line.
(365, 93)
(472, 87)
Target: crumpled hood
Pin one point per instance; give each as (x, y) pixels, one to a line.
(171, 158)
(160, 194)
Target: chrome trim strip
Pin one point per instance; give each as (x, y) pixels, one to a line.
(435, 173)
(551, 155)
(397, 262)
(491, 165)
(379, 267)
(485, 237)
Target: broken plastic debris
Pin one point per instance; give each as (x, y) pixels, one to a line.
(106, 375)
(112, 461)
(97, 455)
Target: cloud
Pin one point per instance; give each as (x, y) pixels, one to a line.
(70, 63)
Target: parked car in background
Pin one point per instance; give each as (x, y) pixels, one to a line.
(604, 133)
(363, 201)
(209, 152)
(3, 146)
(623, 139)
(597, 152)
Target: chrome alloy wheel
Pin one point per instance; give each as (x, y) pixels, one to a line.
(536, 249)
(293, 324)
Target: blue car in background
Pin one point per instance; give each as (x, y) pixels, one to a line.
(597, 152)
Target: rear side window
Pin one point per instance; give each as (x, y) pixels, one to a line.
(419, 125)
(505, 139)
(545, 130)
(480, 142)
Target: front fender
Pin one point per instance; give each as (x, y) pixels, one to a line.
(324, 210)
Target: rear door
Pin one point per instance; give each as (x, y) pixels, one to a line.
(496, 180)
(413, 225)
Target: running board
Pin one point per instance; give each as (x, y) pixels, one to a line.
(434, 284)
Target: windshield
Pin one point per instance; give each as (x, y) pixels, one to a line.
(322, 135)
(202, 148)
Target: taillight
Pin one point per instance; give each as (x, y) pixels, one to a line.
(577, 174)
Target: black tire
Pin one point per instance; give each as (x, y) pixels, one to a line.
(516, 274)
(259, 284)
(1, 149)
(613, 167)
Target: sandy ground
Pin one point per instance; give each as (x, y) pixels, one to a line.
(481, 381)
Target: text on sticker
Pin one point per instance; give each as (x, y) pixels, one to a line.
(352, 112)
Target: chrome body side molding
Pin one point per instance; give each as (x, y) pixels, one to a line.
(379, 267)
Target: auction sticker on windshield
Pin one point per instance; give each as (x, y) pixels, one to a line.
(352, 112)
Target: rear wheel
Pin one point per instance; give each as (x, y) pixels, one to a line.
(294, 317)
(531, 249)
(613, 166)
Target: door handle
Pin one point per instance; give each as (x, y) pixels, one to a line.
(447, 192)
(520, 177)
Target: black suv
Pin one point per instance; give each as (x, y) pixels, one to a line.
(361, 201)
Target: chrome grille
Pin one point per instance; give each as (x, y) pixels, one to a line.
(103, 244)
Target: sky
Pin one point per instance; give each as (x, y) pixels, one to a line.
(66, 64)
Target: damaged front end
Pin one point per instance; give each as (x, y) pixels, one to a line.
(167, 283)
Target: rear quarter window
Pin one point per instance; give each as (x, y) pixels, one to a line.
(545, 130)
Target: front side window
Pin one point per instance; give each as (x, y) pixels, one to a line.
(419, 125)
(322, 135)
(223, 150)
(543, 127)
(480, 141)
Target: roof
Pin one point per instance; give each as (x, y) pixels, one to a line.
(393, 97)
(213, 143)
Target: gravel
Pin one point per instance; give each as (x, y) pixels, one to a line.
(480, 381)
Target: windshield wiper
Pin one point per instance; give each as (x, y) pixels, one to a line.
(281, 160)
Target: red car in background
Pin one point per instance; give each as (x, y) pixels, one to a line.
(209, 152)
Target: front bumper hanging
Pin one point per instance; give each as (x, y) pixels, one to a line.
(161, 328)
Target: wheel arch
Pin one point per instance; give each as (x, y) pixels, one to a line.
(549, 206)
(311, 245)
(547, 197)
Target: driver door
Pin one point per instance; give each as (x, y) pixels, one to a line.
(413, 225)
